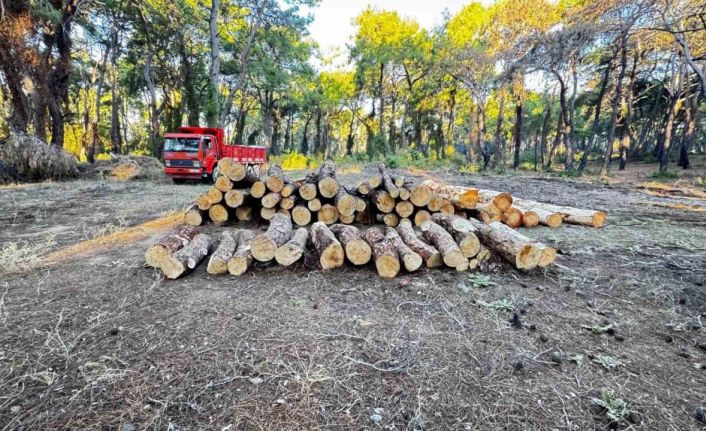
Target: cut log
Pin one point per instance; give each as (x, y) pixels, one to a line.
(242, 258)
(314, 204)
(546, 217)
(301, 215)
(509, 244)
(271, 200)
(382, 201)
(360, 204)
(375, 181)
(194, 216)
(285, 212)
(501, 200)
(345, 202)
(464, 266)
(388, 184)
(218, 263)
(326, 179)
(293, 249)
(404, 209)
(444, 242)
(489, 213)
(357, 249)
(529, 218)
(462, 197)
(276, 178)
(307, 191)
(328, 214)
(420, 217)
(404, 194)
(244, 213)
(236, 172)
(258, 189)
(264, 246)
(267, 213)
(223, 183)
(447, 207)
(432, 257)
(512, 217)
(411, 259)
(389, 219)
(387, 260)
(214, 195)
(571, 215)
(187, 257)
(224, 164)
(218, 214)
(548, 254)
(435, 203)
(287, 203)
(463, 232)
(346, 219)
(155, 255)
(290, 188)
(420, 195)
(362, 217)
(328, 249)
(203, 202)
(398, 180)
(236, 197)
(364, 188)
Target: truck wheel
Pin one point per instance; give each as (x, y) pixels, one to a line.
(178, 180)
(215, 174)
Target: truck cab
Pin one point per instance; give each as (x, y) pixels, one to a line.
(192, 153)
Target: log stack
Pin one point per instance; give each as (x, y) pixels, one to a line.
(426, 224)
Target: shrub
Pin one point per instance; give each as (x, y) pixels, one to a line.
(666, 175)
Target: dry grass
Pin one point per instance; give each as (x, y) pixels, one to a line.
(23, 255)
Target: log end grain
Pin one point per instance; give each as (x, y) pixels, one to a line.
(387, 266)
(263, 248)
(328, 187)
(358, 252)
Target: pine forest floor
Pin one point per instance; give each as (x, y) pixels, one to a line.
(94, 340)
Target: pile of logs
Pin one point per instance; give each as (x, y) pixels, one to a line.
(442, 240)
(384, 221)
(237, 195)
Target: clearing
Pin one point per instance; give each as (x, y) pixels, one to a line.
(94, 340)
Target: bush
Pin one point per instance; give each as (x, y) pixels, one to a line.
(295, 161)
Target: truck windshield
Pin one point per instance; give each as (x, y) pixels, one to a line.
(189, 145)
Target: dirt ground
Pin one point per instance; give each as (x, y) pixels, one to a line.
(97, 341)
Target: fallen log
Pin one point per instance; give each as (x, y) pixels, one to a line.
(571, 215)
(218, 263)
(214, 195)
(389, 219)
(420, 217)
(411, 259)
(328, 250)
(420, 195)
(307, 191)
(529, 218)
(545, 217)
(387, 262)
(432, 257)
(264, 246)
(287, 203)
(175, 265)
(404, 194)
(155, 255)
(444, 242)
(509, 244)
(462, 197)
(294, 249)
(290, 188)
(346, 219)
(357, 249)
(242, 258)
(203, 202)
(463, 232)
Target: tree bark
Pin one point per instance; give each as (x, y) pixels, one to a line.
(444, 242)
(188, 257)
(294, 249)
(242, 258)
(328, 250)
(616, 103)
(218, 263)
(387, 262)
(596, 116)
(175, 241)
(463, 232)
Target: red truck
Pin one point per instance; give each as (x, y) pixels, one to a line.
(193, 153)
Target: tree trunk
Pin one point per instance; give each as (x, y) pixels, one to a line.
(188, 257)
(214, 74)
(463, 232)
(692, 113)
(596, 116)
(265, 245)
(444, 242)
(218, 263)
(175, 241)
(242, 258)
(387, 262)
(328, 250)
(357, 249)
(294, 249)
(517, 133)
(498, 157)
(116, 142)
(615, 104)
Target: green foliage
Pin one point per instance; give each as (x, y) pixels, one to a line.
(500, 304)
(481, 280)
(614, 407)
(607, 362)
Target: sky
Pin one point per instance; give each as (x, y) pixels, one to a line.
(333, 19)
